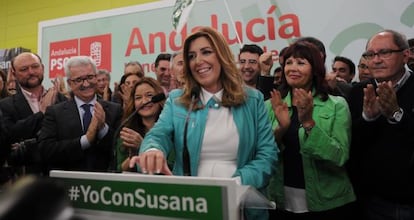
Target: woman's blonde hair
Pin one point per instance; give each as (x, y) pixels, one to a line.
(233, 92)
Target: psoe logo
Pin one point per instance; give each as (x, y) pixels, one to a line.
(97, 47)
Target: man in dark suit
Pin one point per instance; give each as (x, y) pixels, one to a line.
(23, 112)
(66, 140)
(382, 150)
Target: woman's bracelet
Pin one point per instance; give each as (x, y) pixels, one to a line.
(308, 126)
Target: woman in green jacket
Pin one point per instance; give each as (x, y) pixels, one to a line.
(312, 129)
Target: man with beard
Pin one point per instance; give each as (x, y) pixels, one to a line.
(23, 112)
(410, 62)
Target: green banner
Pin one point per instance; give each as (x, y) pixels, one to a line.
(143, 198)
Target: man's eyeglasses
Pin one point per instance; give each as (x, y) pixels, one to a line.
(363, 66)
(383, 54)
(80, 80)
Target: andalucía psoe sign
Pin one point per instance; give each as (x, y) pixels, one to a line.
(141, 32)
(136, 195)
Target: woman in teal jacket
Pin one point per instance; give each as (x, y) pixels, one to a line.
(312, 129)
(229, 133)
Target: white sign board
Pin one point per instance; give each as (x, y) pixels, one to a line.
(141, 32)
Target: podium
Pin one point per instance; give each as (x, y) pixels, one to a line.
(96, 195)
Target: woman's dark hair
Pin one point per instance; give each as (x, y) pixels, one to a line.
(123, 79)
(116, 97)
(316, 42)
(309, 52)
(136, 121)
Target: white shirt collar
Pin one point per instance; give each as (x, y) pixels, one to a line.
(400, 82)
(206, 96)
(31, 95)
(79, 102)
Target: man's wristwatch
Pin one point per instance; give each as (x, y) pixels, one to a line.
(397, 115)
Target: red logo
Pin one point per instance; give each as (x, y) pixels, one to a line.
(97, 47)
(59, 52)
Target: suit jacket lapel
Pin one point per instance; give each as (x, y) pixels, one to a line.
(71, 112)
(22, 106)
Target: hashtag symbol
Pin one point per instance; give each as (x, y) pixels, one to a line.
(74, 193)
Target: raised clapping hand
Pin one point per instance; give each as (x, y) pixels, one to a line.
(383, 102)
(304, 104)
(106, 95)
(126, 93)
(97, 122)
(370, 106)
(280, 109)
(151, 162)
(50, 97)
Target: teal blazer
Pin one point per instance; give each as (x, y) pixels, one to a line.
(257, 152)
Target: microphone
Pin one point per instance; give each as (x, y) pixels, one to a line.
(195, 91)
(155, 99)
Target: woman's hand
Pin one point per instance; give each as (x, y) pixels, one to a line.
(151, 162)
(304, 104)
(280, 109)
(130, 138)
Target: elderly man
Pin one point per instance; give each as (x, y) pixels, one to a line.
(382, 150)
(77, 134)
(103, 79)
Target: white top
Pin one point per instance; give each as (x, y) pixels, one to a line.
(220, 144)
(296, 201)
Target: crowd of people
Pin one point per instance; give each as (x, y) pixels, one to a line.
(323, 143)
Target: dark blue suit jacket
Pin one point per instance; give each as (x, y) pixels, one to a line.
(22, 124)
(60, 135)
